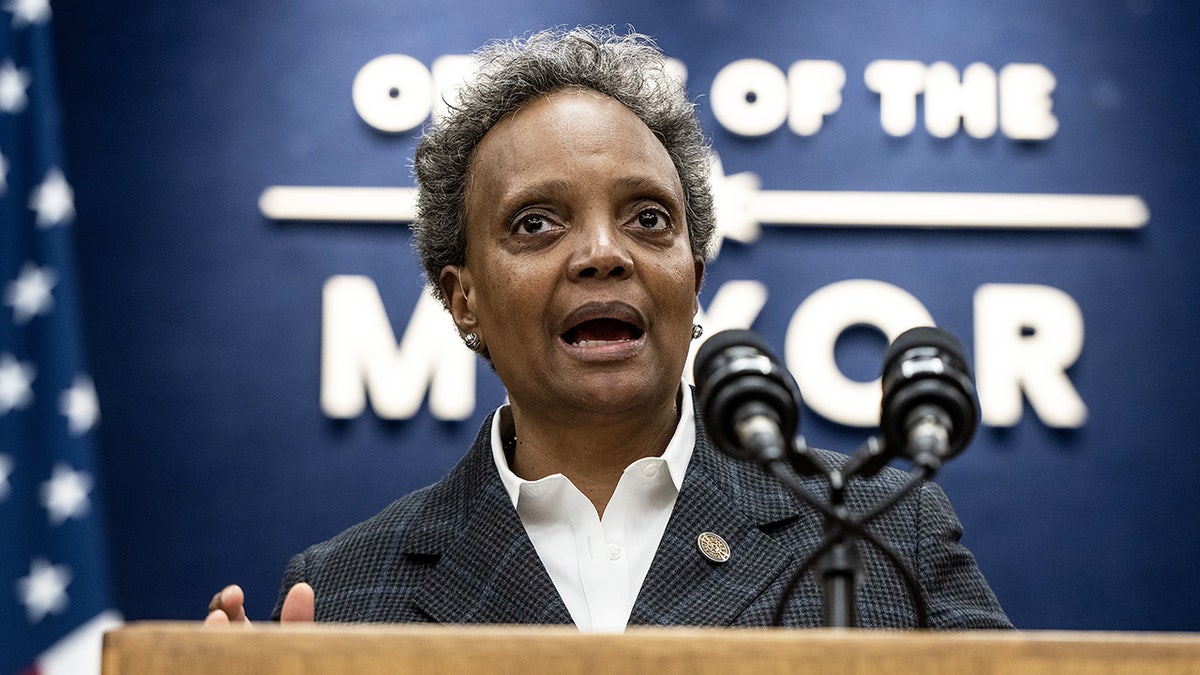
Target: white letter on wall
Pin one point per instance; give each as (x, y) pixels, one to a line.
(393, 93)
(815, 328)
(359, 356)
(1026, 337)
(816, 91)
(973, 100)
(897, 83)
(749, 97)
(1025, 103)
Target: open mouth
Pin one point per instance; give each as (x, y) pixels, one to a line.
(600, 332)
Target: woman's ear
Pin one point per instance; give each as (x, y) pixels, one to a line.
(698, 261)
(457, 285)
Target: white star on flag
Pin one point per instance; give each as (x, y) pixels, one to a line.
(13, 82)
(26, 12)
(80, 405)
(65, 495)
(44, 591)
(16, 379)
(53, 199)
(6, 469)
(29, 295)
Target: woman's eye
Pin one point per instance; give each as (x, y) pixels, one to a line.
(532, 224)
(653, 220)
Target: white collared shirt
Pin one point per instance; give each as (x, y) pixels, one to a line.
(598, 564)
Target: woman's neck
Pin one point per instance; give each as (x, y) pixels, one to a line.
(592, 450)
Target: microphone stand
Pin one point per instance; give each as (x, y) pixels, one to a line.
(840, 566)
(837, 557)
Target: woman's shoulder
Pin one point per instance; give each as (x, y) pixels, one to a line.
(422, 513)
(384, 529)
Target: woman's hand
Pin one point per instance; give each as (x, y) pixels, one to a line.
(228, 606)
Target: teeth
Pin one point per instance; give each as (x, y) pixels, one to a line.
(597, 343)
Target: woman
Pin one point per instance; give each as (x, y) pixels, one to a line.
(564, 220)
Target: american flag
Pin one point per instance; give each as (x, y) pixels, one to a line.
(55, 597)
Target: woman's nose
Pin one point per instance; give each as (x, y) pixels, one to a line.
(601, 253)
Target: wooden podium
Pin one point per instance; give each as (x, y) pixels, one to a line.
(186, 648)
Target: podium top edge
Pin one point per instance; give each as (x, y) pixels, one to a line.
(669, 632)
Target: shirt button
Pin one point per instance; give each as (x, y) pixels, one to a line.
(650, 470)
(614, 552)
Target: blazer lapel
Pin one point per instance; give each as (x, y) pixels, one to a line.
(487, 570)
(738, 502)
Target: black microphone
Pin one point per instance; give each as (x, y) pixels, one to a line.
(749, 402)
(929, 408)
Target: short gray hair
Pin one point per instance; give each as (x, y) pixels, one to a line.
(629, 68)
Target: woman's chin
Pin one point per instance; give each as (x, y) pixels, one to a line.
(621, 392)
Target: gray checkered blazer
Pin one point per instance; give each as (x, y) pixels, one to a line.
(455, 552)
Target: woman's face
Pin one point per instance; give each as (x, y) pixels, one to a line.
(579, 276)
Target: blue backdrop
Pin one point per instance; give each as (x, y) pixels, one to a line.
(204, 316)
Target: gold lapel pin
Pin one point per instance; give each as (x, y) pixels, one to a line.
(713, 547)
